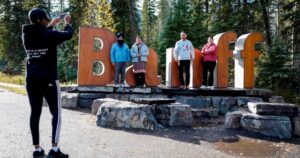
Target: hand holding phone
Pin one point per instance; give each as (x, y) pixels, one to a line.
(67, 19)
(62, 16)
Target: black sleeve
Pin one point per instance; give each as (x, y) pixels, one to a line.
(57, 37)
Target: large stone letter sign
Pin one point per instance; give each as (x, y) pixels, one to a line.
(245, 55)
(151, 78)
(172, 75)
(95, 67)
(223, 40)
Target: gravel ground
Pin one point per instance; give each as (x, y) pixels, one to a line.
(81, 138)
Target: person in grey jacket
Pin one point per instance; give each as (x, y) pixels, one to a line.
(184, 54)
(139, 54)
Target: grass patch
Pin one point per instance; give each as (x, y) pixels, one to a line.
(20, 80)
(21, 91)
(13, 79)
(68, 83)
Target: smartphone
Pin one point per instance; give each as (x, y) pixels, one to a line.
(62, 16)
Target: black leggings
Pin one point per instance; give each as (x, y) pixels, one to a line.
(36, 91)
(208, 66)
(184, 65)
(139, 79)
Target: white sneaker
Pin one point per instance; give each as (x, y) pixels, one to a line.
(203, 87)
(122, 85)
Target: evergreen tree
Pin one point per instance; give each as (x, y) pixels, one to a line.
(105, 15)
(199, 27)
(178, 19)
(163, 13)
(14, 15)
(164, 8)
(126, 18)
(274, 70)
(289, 22)
(149, 21)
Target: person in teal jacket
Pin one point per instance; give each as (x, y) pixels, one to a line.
(120, 56)
(139, 54)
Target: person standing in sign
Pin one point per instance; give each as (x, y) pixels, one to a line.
(184, 54)
(120, 56)
(139, 54)
(40, 42)
(209, 52)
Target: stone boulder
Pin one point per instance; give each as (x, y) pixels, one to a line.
(86, 99)
(69, 100)
(296, 126)
(276, 99)
(194, 102)
(98, 102)
(277, 109)
(176, 114)
(233, 119)
(243, 101)
(205, 112)
(224, 104)
(153, 101)
(127, 115)
(273, 126)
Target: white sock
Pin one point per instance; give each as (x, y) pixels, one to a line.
(38, 149)
(55, 148)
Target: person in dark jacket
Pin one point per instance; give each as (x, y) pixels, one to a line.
(40, 41)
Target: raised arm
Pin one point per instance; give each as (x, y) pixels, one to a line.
(213, 49)
(57, 37)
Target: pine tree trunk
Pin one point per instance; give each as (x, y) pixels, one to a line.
(132, 18)
(296, 34)
(266, 22)
(206, 6)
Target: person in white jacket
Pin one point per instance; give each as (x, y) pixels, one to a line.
(184, 54)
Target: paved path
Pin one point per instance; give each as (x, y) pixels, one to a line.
(11, 85)
(81, 138)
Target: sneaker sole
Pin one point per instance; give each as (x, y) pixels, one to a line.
(40, 156)
(50, 156)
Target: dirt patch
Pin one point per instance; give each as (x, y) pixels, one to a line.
(247, 147)
(208, 122)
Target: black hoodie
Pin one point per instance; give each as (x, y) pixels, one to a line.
(40, 44)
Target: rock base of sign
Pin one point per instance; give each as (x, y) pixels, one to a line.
(233, 119)
(205, 112)
(194, 102)
(273, 126)
(224, 104)
(69, 100)
(296, 126)
(243, 101)
(276, 99)
(127, 115)
(277, 109)
(176, 114)
(98, 102)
